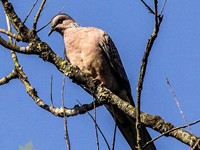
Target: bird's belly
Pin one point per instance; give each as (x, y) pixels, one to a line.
(93, 63)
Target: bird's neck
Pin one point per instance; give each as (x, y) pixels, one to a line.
(73, 25)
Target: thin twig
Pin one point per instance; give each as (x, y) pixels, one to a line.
(38, 14)
(61, 9)
(51, 91)
(114, 136)
(50, 20)
(65, 117)
(43, 27)
(115, 129)
(147, 6)
(163, 7)
(167, 132)
(97, 125)
(30, 11)
(178, 105)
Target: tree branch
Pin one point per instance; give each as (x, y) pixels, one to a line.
(15, 36)
(105, 96)
(12, 75)
(30, 11)
(173, 129)
(147, 6)
(143, 67)
(38, 14)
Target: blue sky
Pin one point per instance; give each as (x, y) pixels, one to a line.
(175, 55)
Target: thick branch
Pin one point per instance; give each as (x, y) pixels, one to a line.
(17, 23)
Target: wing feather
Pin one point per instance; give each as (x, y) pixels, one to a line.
(115, 62)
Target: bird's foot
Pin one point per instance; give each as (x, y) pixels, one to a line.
(97, 81)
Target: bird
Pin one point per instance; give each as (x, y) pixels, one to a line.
(95, 54)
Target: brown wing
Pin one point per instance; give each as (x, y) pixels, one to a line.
(115, 62)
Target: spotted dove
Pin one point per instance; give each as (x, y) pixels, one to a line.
(93, 51)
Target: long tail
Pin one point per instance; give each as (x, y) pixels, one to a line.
(128, 129)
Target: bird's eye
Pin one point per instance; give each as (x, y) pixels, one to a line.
(60, 21)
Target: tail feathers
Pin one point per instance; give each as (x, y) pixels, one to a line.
(128, 129)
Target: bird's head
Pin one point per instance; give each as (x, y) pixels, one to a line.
(60, 22)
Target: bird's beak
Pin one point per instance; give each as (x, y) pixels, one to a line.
(52, 29)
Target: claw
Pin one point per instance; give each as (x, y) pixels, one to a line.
(97, 81)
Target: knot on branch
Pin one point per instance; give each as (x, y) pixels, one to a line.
(28, 35)
(22, 31)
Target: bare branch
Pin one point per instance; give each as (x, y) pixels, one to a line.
(64, 116)
(96, 125)
(173, 129)
(147, 6)
(156, 15)
(30, 11)
(190, 140)
(43, 27)
(38, 14)
(178, 104)
(143, 72)
(155, 122)
(15, 36)
(163, 7)
(11, 46)
(114, 134)
(50, 21)
(16, 21)
(12, 75)
(51, 91)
